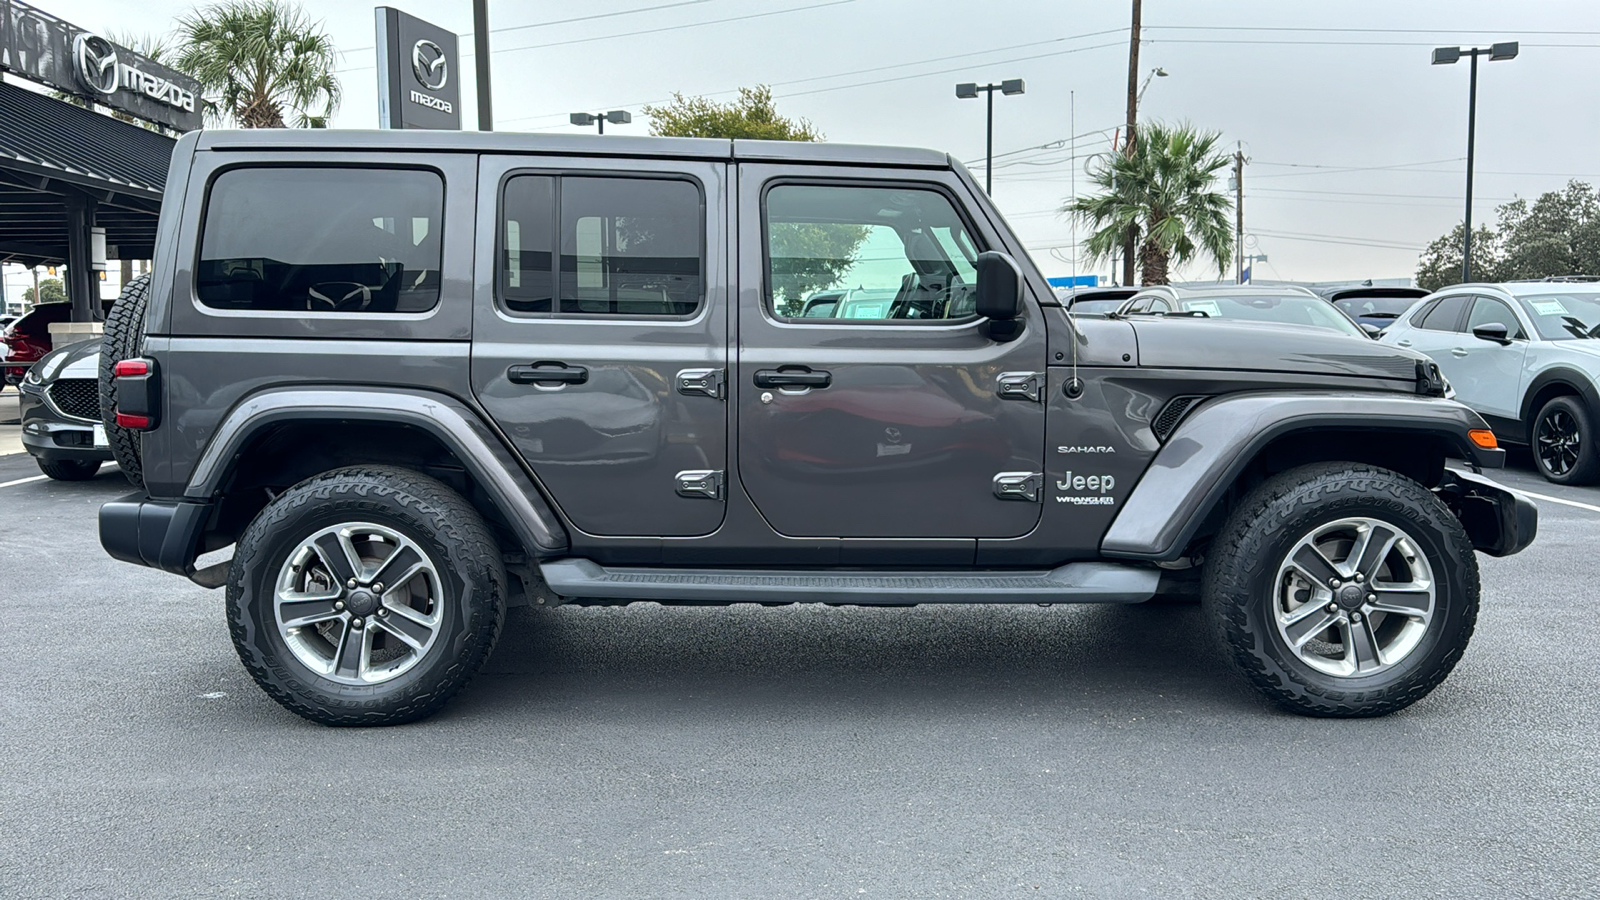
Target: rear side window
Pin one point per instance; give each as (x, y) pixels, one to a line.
(602, 246)
(322, 240)
(1446, 314)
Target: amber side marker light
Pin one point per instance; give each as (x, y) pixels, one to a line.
(1484, 438)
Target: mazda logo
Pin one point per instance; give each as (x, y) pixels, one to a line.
(96, 62)
(429, 64)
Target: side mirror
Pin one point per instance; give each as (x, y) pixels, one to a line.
(1000, 294)
(1492, 331)
(1372, 330)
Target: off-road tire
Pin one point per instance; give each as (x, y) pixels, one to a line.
(123, 339)
(1242, 568)
(427, 512)
(1587, 468)
(70, 469)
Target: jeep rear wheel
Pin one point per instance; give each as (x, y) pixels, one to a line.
(366, 596)
(1564, 442)
(1342, 590)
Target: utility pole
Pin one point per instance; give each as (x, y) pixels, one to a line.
(480, 48)
(1238, 207)
(1133, 120)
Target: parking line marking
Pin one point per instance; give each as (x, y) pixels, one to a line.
(22, 481)
(1589, 506)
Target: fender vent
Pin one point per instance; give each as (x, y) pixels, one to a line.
(1172, 414)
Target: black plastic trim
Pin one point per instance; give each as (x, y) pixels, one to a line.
(162, 534)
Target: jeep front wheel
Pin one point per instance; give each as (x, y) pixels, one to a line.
(365, 596)
(1342, 590)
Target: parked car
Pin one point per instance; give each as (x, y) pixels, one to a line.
(1526, 356)
(396, 450)
(1095, 300)
(60, 406)
(1375, 306)
(27, 339)
(1279, 304)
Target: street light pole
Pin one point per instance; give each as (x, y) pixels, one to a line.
(969, 91)
(1444, 56)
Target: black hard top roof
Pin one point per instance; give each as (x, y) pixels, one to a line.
(572, 145)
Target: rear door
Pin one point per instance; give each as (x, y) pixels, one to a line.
(885, 419)
(600, 341)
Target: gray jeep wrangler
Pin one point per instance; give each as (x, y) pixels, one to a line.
(414, 378)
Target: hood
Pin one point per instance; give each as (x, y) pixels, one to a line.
(1185, 343)
(80, 360)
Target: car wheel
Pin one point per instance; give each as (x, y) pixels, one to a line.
(70, 469)
(123, 338)
(1564, 442)
(366, 596)
(1342, 590)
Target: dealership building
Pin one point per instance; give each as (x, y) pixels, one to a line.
(79, 188)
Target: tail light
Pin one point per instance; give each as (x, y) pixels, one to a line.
(138, 393)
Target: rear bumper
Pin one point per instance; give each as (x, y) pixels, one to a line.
(162, 534)
(1498, 520)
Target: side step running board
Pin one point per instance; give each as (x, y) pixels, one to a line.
(1080, 582)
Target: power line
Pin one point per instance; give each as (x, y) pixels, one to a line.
(509, 28)
(1361, 30)
(1337, 239)
(679, 27)
(890, 67)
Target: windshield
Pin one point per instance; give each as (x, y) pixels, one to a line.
(1375, 307)
(1564, 317)
(1096, 306)
(1292, 310)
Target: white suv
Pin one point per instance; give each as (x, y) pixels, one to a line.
(1525, 355)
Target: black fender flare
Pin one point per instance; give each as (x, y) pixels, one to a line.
(1581, 384)
(452, 422)
(1205, 455)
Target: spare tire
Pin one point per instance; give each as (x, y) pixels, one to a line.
(123, 339)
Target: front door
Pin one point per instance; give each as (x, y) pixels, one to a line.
(600, 341)
(1490, 373)
(869, 394)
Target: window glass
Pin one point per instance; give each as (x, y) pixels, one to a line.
(322, 240)
(527, 279)
(867, 254)
(1486, 310)
(628, 246)
(1565, 317)
(1445, 314)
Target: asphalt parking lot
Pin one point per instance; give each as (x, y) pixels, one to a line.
(788, 752)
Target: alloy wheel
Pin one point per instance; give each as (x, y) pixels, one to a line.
(1354, 597)
(1558, 441)
(358, 603)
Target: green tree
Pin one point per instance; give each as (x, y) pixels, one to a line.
(1440, 263)
(1163, 189)
(1557, 234)
(50, 289)
(752, 116)
(259, 61)
(807, 256)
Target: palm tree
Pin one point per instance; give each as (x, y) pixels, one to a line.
(1162, 189)
(258, 60)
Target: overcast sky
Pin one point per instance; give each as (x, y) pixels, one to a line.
(1356, 144)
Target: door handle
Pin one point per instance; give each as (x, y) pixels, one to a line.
(547, 372)
(793, 376)
(1403, 342)
(1459, 352)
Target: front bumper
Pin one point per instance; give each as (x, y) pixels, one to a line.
(1498, 520)
(50, 436)
(162, 534)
